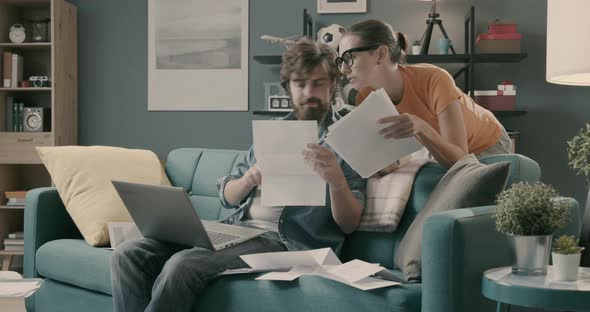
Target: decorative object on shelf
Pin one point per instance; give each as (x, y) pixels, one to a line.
(503, 99)
(571, 66)
(331, 35)
(342, 6)
(277, 98)
(39, 81)
(566, 256)
(198, 61)
(433, 19)
(502, 37)
(17, 33)
(443, 46)
(40, 30)
(529, 214)
(285, 41)
(416, 47)
(36, 119)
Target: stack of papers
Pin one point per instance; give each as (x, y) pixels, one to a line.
(357, 140)
(286, 179)
(21, 288)
(290, 265)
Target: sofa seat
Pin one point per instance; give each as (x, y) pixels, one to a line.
(74, 262)
(64, 260)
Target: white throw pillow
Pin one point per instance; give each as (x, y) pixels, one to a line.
(82, 176)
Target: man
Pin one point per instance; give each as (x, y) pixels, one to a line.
(154, 276)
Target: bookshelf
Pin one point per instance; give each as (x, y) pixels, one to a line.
(20, 166)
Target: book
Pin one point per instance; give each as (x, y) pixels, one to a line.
(16, 235)
(19, 118)
(17, 70)
(15, 202)
(14, 241)
(8, 113)
(14, 248)
(7, 69)
(16, 194)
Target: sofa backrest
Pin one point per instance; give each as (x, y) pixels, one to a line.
(197, 170)
(380, 247)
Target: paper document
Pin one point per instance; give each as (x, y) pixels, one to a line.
(357, 140)
(122, 231)
(286, 179)
(319, 262)
(19, 288)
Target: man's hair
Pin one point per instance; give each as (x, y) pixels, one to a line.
(305, 55)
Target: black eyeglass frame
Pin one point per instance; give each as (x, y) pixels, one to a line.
(340, 60)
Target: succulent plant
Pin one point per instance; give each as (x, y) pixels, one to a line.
(530, 209)
(566, 244)
(417, 43)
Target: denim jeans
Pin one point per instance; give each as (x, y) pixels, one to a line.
(149, 275)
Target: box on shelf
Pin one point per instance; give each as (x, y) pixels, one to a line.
(502, 37)
(496, 100)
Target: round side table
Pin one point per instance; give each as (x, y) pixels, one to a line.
(537, 291)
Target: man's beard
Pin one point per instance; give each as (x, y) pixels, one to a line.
(304, 112)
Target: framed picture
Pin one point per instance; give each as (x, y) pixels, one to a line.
(198, 55)
(342, 6)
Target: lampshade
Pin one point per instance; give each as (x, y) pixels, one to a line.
(568, 42)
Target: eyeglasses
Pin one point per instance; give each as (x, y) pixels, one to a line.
(348, 59)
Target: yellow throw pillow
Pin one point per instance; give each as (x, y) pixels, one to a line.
(82, 176)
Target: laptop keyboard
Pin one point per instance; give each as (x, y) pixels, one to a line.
(220, 238)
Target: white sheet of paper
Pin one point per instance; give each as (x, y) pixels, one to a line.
(293, 274)
(357, 140)
(122, 231)
(286, 179)
(354, 270)
(290, 259)
(369, 283)
(19, 288)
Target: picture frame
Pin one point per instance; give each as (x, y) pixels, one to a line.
(198, 61)
(342, 6)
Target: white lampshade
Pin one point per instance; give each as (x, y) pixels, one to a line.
(568, 42)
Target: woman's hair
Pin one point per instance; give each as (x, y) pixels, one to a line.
(304, 56)
(379, 32)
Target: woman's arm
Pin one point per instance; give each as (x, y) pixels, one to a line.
(447, 147)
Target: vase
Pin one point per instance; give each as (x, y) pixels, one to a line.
(530, 254)
(565, 267)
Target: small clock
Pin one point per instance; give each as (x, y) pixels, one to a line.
(17, 33)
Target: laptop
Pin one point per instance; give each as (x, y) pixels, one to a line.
(165, 213)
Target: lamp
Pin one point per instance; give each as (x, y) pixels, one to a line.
(568, 44)
(568, 63)
(431, 21)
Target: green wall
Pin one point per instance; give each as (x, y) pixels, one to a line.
(112, 46)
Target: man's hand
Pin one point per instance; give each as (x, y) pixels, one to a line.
(324, 163)
(252, 177)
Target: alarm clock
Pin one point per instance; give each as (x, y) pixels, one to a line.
(17, 33)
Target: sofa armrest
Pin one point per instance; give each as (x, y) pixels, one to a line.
(458, 246)
(46, 219)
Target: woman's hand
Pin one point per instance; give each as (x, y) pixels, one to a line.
(402, 126)
(324, 163)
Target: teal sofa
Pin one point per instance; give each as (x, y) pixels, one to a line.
(458, 246)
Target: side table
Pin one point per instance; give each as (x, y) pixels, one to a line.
(544, 292)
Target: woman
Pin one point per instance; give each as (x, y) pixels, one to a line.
(444, 119)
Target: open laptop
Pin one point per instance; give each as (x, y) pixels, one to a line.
(165, 213)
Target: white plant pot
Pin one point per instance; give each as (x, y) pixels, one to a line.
(416, 50)
(565, 267)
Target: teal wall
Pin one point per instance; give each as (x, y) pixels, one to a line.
(112, 38)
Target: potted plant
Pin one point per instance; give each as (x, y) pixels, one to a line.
(566, 258)
(529, 214)
(578, 152)
(416, 46)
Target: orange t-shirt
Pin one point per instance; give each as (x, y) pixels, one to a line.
(429, 90)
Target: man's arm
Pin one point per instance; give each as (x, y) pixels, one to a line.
(236, 190)
(346, 208)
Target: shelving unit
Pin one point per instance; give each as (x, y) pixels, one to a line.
(20, 166)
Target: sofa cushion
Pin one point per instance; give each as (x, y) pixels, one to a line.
(74, 262)
(82, 176)
(468, 183)
(307, 293)
(197, 171)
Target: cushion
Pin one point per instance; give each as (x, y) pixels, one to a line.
(82, 176)
(468, 183)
